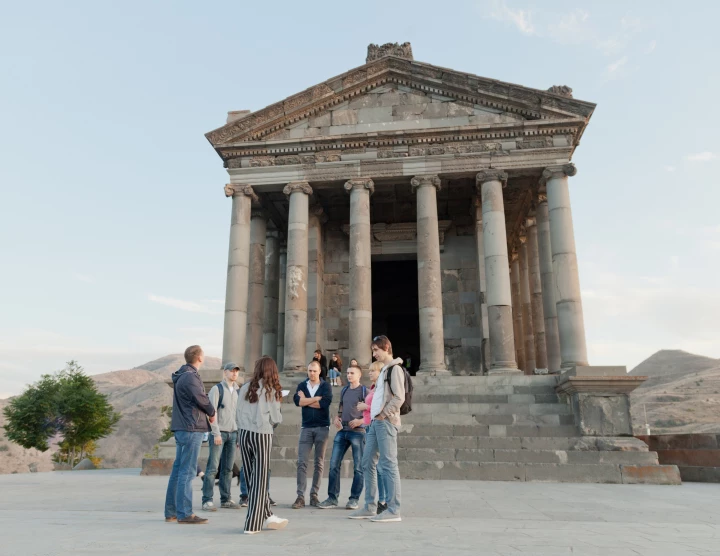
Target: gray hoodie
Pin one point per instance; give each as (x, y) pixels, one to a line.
(257, 417)
(225, 421)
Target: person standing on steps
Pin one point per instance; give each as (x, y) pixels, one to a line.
(351, 433)
(381, 439)
(314, 396)
(222, 440)
(320, 358)
(192, 411)
(258, 412)
(335, 369)
(374, 373)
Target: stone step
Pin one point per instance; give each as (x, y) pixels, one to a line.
(504, 471)
(466, 397)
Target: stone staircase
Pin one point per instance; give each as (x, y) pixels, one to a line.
(495, 428)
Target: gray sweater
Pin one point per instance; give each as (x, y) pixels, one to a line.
(225, 421)
(257, 417)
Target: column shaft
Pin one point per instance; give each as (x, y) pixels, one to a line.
(536, 297)
(517, 310)
(360, 315)
(256, 288)
(552, 337)
(527, 320)
(571, 325)
(281, 308)
(432, 343)
(270, 312)
(482, 283)
(497, 274)
(297, 273)
(236, 287)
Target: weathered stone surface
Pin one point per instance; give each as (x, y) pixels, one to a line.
(650, 474)
(598, 415)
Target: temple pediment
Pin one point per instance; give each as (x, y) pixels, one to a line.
(391, 94)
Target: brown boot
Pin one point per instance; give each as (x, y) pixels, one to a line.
(193, 519)
(299, 503)
(314, 501)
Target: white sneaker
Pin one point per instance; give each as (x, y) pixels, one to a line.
(250, 532)
(209, 507)
(275, 522)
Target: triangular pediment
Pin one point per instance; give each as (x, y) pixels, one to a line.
(396, 94)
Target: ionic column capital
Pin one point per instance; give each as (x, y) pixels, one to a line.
(319, 211)
(274, 234)
(259, 212)
(558, 171)
(295, 186)
(237, 189)
(427, 180)
(530, 222)
(491, 174)
(513, 255)
(360, 183)
(542, 198)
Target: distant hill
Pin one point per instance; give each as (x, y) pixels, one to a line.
(138, 394)
(682, 394)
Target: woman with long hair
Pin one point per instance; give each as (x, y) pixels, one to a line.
(258, 411)
(335, 369)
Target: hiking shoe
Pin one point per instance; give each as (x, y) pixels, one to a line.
(243, 501)
(299, 503)
(314, 501)
(382, 506)
(362, 513)
(386, 516)
(328, 504)
(193, 519)
(274, 522)
(209, 507)
(351, 505)
(230, 505)
(172, 519)
(272, 502)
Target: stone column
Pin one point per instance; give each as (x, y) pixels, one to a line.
(272, 277)
(236, 287)
(517, 309)
(552, 337)
(536, 297)
(281, 308)
(432, 343)
(315, 285)
(360, 315)
(571, 325)
(499, 299)
(296, 276)
(476, 211)
(526, 301)
(256, 289)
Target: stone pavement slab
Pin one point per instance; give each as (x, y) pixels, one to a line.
(118, 512)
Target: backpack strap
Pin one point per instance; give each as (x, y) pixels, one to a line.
(221, 392)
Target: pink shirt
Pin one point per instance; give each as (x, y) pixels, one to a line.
(368, 401)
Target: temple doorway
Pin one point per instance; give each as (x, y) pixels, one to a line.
(395, 307)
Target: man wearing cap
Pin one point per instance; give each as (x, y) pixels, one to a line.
(222, 440)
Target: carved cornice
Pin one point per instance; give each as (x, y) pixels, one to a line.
(530, 103)
(491, 174)
(360, 183)
(375, 52)
(562, 90)
(293, 186)
(558, 171)
(426, 180)
(232, 189)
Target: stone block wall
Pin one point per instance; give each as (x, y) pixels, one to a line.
(462, 324)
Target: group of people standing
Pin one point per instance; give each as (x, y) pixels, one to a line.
(332, 371)
(368, 421)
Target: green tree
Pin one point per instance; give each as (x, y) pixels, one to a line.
(67, 404)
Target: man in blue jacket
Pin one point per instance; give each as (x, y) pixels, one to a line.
(191, 417)
(314, 396)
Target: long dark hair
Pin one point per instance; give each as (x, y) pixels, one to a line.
(267, 371)
(339, 361)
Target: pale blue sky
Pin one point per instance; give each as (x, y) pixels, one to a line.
(114, 229)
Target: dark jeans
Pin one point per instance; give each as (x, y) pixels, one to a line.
(343, 440)
(316, 437)
(178, 498)
(224, 452)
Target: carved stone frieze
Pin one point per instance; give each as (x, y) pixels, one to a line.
(375, 52)
(328, 156)
(562, 90)
(262, 161)
(401, 231)
(287, 160)
(535, 143)
(389, 153)
(232, 189)
(234, 163)
(293, 186)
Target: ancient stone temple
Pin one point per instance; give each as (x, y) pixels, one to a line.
(410, 200)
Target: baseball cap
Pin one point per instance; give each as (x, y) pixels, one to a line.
(230, 367)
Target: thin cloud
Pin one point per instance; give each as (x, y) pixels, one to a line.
(651, 47)
(670, 168)
(616, 65)
(84, 278)
(181, 304)
(701, 157)
(521, 19)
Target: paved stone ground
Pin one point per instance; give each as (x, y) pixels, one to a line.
(119, 512)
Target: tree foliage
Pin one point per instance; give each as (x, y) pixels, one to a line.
(67, 404)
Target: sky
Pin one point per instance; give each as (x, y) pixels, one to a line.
(115, 226)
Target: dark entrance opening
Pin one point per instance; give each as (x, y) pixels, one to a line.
(395, 308)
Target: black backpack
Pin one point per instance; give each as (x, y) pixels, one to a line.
(221, 391)
(406, 407)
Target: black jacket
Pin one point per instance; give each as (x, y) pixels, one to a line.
(191, 406)
(323, 366)
(311, 416)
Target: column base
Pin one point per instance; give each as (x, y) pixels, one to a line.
(541, 372)
(503, 370)
(294, 372)
(433, 372)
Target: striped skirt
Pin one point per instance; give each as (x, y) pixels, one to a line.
(255, 453)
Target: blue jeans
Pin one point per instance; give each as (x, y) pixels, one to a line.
(344, 440)
(178, 499)
(380, 481)
(226, 453)
(380, 458)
